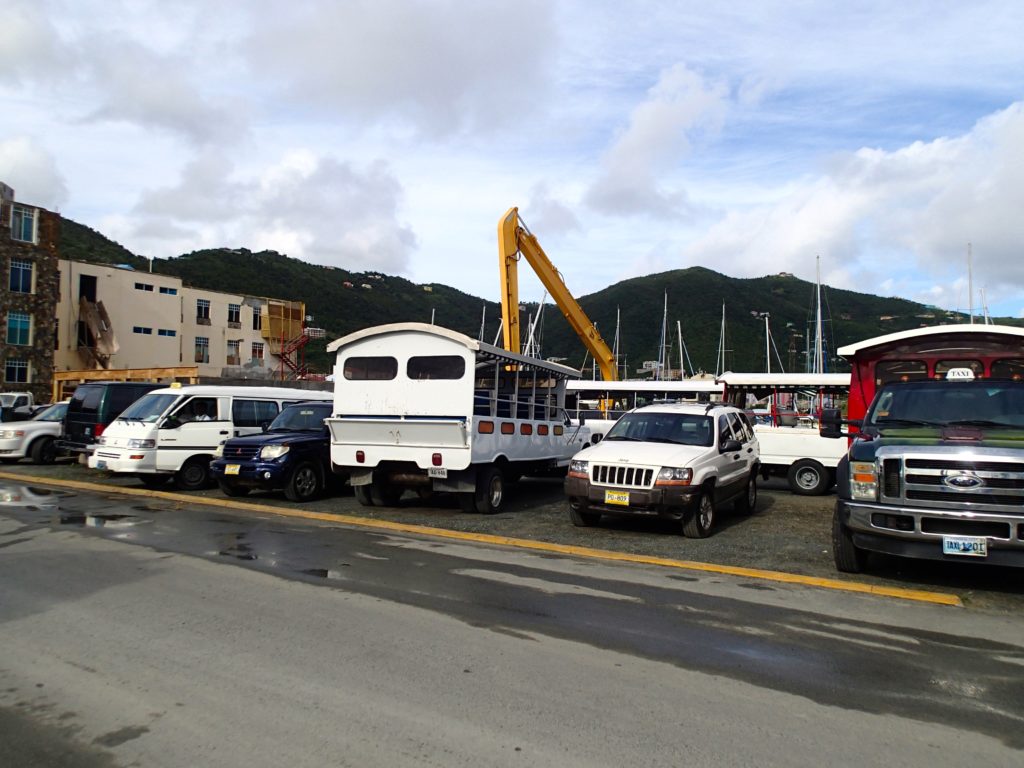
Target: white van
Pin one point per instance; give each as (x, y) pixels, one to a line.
(174, 432)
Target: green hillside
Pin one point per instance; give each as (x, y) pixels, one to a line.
(695, 299)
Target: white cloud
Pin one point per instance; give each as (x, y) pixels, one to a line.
(29, 47)
(654, 145)
(439, 68)
(308, 206)
(32, 172)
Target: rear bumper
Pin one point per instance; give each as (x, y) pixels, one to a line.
(672, 501)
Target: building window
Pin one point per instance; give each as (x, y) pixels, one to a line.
(234, 352)
(143, 287)
(234, 315)
(23, 224)
(257, 350)
(203, 311)
(18, 327)
(143, 331)
(21, 276)
(202, 349)
(167, 332)
(16, 371)
(168, 291)
(257, 319)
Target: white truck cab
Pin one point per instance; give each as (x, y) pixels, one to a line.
(173, 432)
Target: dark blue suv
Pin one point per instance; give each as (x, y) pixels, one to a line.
(293, 455)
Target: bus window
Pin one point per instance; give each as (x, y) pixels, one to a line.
(1008, 369)
(899, 370)
(942, 367)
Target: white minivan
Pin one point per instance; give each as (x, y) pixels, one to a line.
(174, 432)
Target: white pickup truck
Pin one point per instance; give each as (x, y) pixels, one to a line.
(16, 406)
(425, 408)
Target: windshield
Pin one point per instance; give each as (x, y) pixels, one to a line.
(658, 427)
(54, 413)
(301, 418)
(924, 403)
(148, 408)
(7, 400)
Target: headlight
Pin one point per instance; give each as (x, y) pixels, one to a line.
(579, 468)
(7, 434)
(273, 451)
(136, 442)
(863, 481)
(218, 452)
(674, 476)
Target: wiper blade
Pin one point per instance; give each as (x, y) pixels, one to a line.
(661, 440)
(978, 423)
(621, 437)
(906, 423)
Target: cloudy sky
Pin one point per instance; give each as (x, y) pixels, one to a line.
(747, 137)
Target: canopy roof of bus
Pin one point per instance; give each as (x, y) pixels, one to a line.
(784, 380)
(480, 348)
(851, 350)
(647, 385)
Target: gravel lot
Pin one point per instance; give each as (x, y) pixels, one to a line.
(786, 533)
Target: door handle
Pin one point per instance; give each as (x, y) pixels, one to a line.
(223, 431)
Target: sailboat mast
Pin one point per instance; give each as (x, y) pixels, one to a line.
(615, 346)
(819, 362)
(661, 348)
(720, 360)
(682, 366)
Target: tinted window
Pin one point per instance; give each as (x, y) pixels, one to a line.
(119, 398)
(86, 399)
(305, 418)
(370, 368)
(1008, 369)
(899, 370)
(252, 413)
(436, 367)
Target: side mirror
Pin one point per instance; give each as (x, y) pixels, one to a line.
(831, 424)
(264, 426)
(583, 418)
(596, 438)
(729, 446)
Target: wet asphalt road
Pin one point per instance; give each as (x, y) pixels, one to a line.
(163, 633)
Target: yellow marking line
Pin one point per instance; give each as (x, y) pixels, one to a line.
(917, 595)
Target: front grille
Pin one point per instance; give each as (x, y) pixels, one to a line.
(919, 481)
(240, 451)
(621, 476)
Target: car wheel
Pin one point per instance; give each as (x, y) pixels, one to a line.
(384, 495)
(849, 558)
(304, 483)
(747, 503)
(808, 478)
(194, 475)
(362, 494)
(154, 481)
(697, 523)
(44, 451)
(232, 489)
(580, 517)
(490, 491)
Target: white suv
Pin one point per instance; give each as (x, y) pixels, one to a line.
(675, 461)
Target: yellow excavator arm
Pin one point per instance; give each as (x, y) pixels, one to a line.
(515, 239)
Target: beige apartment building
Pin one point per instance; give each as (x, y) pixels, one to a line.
(118, 317)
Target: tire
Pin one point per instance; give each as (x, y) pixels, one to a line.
(304, 483)
(384, 495)
(848, 557)
(194, 475)
(44, 451)
(697, 523)
(362, 494)
(490, 491)
(154, 482)
(808, 478)
(747, 503)
(232, 489)
(581, 518)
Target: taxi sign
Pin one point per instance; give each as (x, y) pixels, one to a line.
(960, 374)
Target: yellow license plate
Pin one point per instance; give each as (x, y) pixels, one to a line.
(617, 497)
(232, 469)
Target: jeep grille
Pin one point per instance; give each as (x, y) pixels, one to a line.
(622, 477)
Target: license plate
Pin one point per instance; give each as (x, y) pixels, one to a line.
(968, 546)
(232, 469)
(617, 497)
(437, 472)
(100, 464)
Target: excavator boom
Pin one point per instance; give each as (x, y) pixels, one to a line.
(515, 239)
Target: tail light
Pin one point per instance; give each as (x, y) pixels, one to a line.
(97, 430)
(360, 457)
(435, 459)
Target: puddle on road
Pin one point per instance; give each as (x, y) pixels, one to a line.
(325, 573)
(96, 521)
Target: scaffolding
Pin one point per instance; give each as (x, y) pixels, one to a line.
(285, 335)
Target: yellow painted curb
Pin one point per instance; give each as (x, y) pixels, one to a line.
(921, 596)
